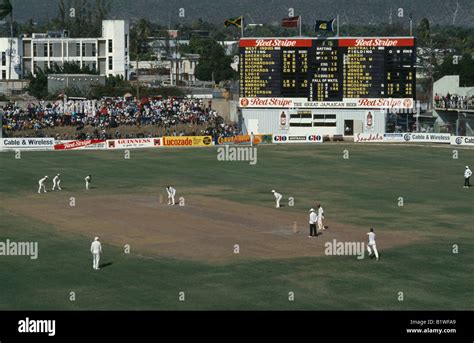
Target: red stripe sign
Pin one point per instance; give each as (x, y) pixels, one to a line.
(343, 42)
(277, 42)
(375, 42)
(70, 145)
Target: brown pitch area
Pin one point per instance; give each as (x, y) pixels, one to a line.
(205, 229)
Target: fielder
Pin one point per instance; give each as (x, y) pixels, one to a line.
(278, 197)
(320, 218)
(96, 250)
(313, 218)
(371, 246)
(88, 181)
(171, 193)
(57, 182)
(467, 176)
(42, 185)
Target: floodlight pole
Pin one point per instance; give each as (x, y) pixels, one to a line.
(301, 24)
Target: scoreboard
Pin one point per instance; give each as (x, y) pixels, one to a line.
(329, 72)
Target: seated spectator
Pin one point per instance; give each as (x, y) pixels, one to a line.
(112, 113)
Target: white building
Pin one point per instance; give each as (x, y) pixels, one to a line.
(451, 84)
(294, 121)
(150, 71)
(108, 54)
(456, 115)
(183, 68)
(166, 47)
(16, 59)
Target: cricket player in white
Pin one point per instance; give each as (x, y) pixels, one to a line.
(42, 185)
(371, 246)
(320, 218)
(88, 181)
(57, 182)
(171, 193)
(278, 197)
(467, 176)
(96, 250)
(313, 218)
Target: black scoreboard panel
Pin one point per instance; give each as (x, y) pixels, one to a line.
(400, 73)
(262, 75)
(327, 70)
(295, 66)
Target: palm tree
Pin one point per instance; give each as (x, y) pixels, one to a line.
(6, 10)
(140, 34)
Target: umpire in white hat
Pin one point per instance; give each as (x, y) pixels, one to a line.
(313, 219)
(467, 176)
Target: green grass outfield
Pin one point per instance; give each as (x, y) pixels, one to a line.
(360, 191)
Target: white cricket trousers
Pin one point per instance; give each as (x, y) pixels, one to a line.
(87, 184)
(41, 186)
(171, 199)
(95, 260)
(56, 184)
(374, 248)
(320, 224)
(278, 201)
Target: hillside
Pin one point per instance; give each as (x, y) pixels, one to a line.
(444, 12)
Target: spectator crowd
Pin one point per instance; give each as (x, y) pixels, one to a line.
(112, 113)
(453, 101)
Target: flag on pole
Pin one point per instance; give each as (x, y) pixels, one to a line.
(290, 21)
(233, 22)
(324, 25)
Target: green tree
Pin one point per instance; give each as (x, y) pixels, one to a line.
(213, 64)
(87, 19)
(139, 36)
(38, 86)
(62, 13)
(424, 31)
(71, 68)
(427, 58)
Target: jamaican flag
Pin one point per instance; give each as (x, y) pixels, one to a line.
(235, 22)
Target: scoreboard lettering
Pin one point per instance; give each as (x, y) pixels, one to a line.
(331, 72)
